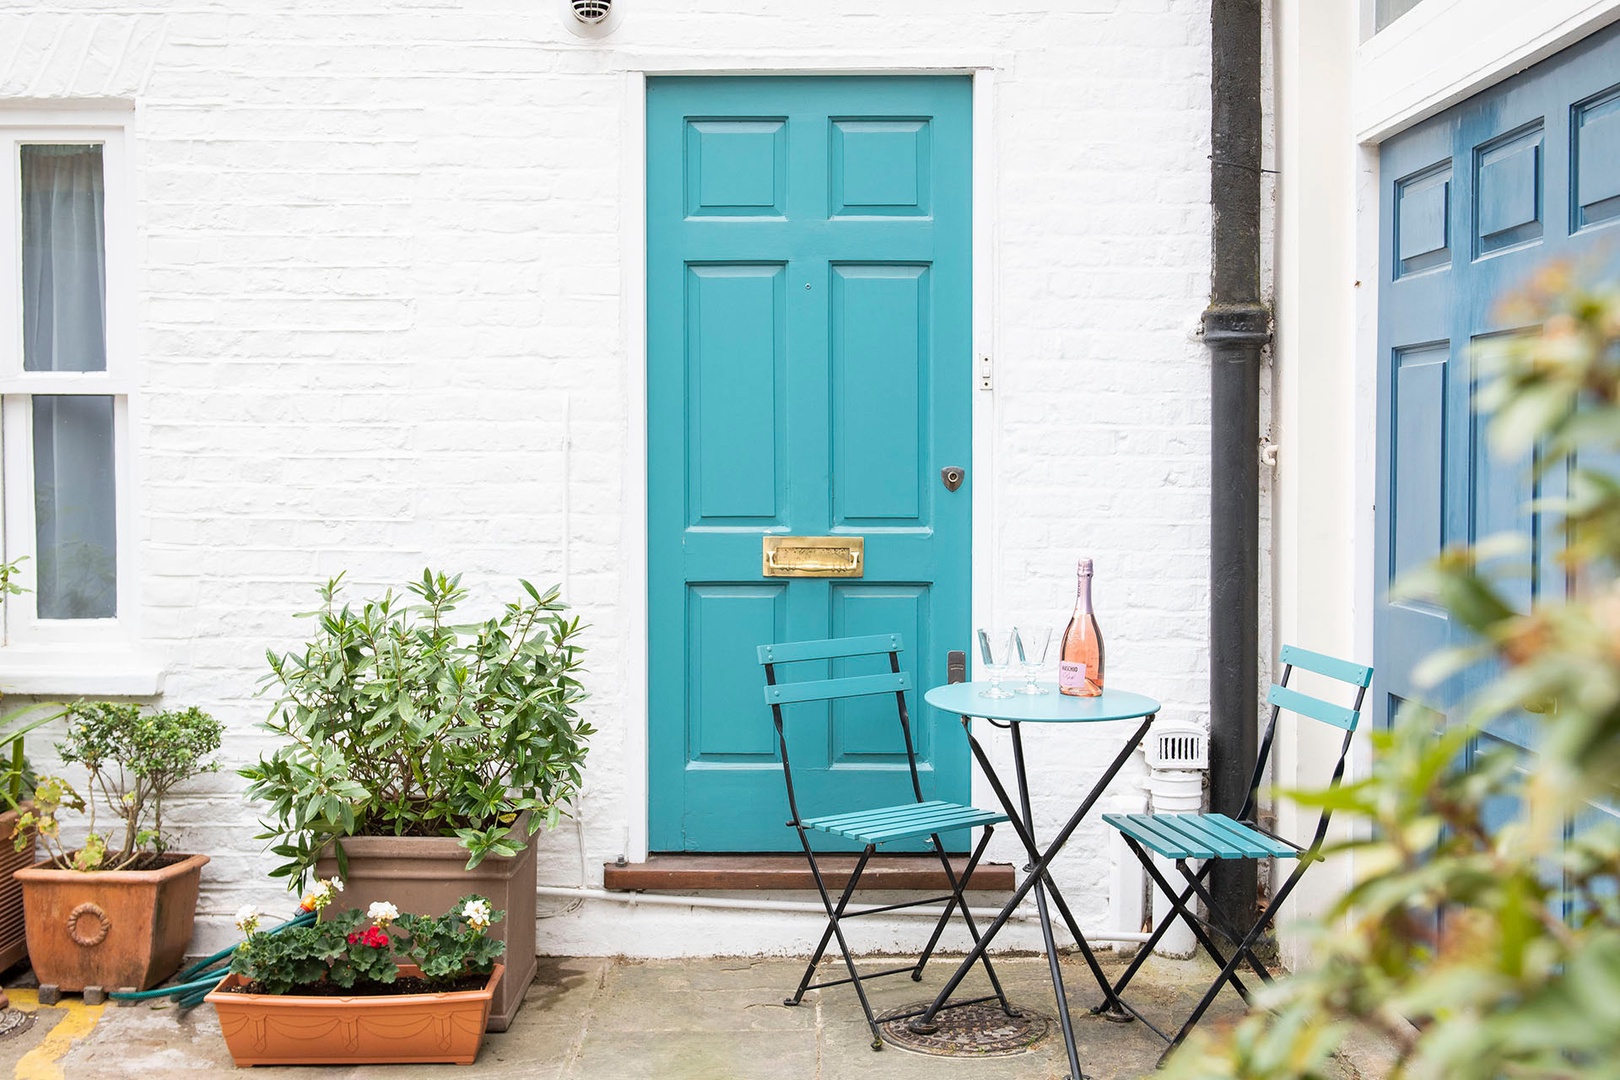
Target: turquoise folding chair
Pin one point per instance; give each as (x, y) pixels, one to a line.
(873, 826)
(1216, 837)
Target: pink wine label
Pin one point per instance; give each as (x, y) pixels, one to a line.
(1071, 675)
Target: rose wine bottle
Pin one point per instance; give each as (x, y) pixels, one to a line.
(1080, 662)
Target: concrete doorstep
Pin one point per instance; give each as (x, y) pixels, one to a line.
(715, 1019)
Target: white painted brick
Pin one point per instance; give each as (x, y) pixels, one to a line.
(377, 248)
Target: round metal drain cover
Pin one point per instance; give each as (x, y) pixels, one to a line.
(14, 1022)
(977, 1030)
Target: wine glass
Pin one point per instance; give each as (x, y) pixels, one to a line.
(996, 650)
(1032, 643)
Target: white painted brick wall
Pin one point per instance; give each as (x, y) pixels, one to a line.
(382, 256)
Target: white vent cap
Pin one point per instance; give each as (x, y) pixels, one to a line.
(1177, 744)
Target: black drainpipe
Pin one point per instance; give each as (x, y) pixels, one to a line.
(1236, 328)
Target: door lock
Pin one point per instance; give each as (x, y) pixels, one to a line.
(952, 475)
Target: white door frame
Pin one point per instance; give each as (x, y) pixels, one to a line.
(982, 68)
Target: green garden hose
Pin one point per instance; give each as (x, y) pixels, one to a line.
(201, 977)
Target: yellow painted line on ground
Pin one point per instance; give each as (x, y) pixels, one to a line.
(43, 1062)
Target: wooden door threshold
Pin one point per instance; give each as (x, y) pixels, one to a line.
(683, 872)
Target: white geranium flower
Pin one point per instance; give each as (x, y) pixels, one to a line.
(321, 894)
(476, 912)
(247, 919)
(382, 912)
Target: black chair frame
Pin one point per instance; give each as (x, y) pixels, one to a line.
(923, 818)
(1243, 942)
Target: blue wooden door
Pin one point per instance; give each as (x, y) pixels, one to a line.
(809, 374)
(1474, 200)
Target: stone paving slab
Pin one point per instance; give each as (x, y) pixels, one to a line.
(606, 1019)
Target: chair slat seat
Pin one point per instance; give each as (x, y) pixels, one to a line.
(904, 822)
(1200, 836)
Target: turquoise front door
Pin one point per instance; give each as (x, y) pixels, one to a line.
(809, 373)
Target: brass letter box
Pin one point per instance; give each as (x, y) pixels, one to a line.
(814, 556)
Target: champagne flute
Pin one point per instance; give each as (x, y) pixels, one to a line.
(1032, 643)
(996, 650)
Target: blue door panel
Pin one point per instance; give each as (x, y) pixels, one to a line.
(809, 373)
(736, 168)
(725, 725)
(879, 369)
(1474, 202)
(1596, 194)
(864, 731)
(737, 352)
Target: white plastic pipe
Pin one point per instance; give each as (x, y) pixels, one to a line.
(635, 899)
(1174, 791)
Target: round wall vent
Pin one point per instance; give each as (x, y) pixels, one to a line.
(590, 18)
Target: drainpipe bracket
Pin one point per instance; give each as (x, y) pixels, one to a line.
(1237, 323)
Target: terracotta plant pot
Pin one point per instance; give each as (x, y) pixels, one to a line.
(110, 928)
(382, 1029)
(13, 937)
(428, 873)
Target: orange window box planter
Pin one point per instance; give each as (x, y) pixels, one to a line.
(381, 1029)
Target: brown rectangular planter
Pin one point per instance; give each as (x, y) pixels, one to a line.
(110, 928)
(382, 1029)
(425, 875)
(13, 936)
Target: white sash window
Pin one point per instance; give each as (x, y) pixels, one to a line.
(66, 356)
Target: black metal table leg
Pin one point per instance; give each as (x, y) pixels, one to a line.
(1028, 817)
(1037, 880)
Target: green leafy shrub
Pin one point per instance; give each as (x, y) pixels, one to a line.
(356, 950)
(1524, 980)
(134, 757)
(397, 722)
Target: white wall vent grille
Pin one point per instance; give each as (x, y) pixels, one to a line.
(1177, 744)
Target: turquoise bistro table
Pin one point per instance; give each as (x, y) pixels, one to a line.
(1051, 707)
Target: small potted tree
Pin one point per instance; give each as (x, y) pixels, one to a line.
(420, 756)
(375, 988)
(118, 910)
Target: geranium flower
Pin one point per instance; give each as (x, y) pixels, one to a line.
(382, 912)
(476, 912)
(320, 894)
(247, 919)
(372, 938)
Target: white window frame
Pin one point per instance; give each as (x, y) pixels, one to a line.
(53, 656)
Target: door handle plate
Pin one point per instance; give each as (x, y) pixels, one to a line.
(813, 556)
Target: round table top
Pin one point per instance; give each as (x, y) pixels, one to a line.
(1049, 708)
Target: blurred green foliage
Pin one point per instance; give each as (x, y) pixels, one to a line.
(1523, 978)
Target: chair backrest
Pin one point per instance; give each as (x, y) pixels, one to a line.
(1282, 696)
(894, 681)
(789, 652)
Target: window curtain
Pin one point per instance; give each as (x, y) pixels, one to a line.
(64, 329)
(64, 259)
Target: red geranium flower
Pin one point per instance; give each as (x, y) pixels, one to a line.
(372, 938)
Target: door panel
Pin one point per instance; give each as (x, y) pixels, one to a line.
(1475, 200)
(809, 373)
